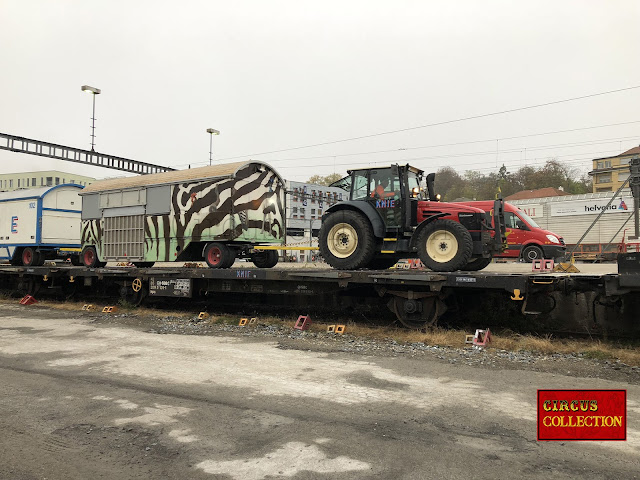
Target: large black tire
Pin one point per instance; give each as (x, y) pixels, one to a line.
(445, 246)
(531, 253)
(346, 240)
(477, 264)
(265, 258)
(382, 262)
(217, 255)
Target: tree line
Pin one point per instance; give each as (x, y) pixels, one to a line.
(452, 185)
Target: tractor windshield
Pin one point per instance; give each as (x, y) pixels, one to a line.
(414, 186)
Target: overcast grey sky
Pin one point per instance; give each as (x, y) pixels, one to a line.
(273, 75)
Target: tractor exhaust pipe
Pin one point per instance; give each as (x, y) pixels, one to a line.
(430, 190)
(499, 225)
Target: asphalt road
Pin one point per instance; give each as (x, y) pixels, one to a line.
(81, 400)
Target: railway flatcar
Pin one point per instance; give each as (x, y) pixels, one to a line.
(40, 224)
(215, 213)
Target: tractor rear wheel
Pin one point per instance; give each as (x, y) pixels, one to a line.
(444, 246)
(346, 240)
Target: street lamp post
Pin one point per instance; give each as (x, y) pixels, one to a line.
(211, 132)
(94, 91)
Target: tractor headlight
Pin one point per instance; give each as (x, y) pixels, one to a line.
(553, 239)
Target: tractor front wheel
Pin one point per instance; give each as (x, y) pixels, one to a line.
(444, 246)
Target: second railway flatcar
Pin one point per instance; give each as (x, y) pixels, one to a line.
(216, 213)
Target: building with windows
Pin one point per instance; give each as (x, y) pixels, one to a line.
(306, 203)
(48, 178)
(570, 216)
(610, 172)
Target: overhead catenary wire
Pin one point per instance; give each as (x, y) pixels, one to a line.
(395, 150)
(434, 124)
(489, 152)
(465, 154)
(510, 164)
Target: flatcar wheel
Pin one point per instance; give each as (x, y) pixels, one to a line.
(418, 313)
(217, 255)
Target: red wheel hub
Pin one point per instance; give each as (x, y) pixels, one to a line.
(89, 257)
(27, 257)
(215, 256)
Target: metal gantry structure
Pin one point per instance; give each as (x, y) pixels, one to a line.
(39, 148)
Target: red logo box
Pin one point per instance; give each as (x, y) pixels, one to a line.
(582, 415)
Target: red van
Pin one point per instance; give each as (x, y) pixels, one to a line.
(525, 238)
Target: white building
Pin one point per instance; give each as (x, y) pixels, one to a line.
(306, 202)
(571, 215)
(46, 178)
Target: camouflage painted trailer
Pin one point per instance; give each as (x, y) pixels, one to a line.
(216, 213)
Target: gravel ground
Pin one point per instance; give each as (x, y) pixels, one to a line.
(563, 364)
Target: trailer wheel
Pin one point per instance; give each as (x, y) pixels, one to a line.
(217, 255)
(90, 258)
(30, 257)
(477, 264)
(231, 258)
(531, 253)
(265, 258)
(346, 240)
(445, 246)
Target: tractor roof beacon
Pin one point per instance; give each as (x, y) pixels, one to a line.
(389, 216)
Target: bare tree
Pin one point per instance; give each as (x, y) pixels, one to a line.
(324, 180)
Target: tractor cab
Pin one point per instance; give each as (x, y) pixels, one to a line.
(393, 192)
